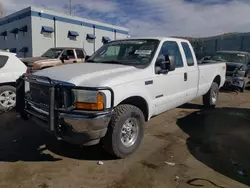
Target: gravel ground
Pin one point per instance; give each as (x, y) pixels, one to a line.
(185, 147)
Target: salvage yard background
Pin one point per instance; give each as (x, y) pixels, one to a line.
(185, 147)
(207, 46)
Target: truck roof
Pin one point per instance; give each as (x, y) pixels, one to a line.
(157, 38)
(70, 48)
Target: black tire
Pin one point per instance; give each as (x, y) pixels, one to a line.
(208, 100)
(112, 141)
(2, 90)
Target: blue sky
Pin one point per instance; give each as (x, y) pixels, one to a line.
(156, 17)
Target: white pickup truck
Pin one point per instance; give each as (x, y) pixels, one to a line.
(124, 84)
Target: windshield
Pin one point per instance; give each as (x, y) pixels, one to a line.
(52, 53)
(230, 57)
(126, 52)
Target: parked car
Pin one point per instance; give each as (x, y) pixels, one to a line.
(11, 68)
(238, 67)
(55, 57)
(124, 84)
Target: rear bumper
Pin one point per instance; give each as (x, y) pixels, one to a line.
(77, 127)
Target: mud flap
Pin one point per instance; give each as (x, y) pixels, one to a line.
(20, 94)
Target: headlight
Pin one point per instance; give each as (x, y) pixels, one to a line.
(240, 71)
(88, 100)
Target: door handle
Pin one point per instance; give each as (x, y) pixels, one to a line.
(185, 76)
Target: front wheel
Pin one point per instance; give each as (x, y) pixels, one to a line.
(211, 97)
(125, 132)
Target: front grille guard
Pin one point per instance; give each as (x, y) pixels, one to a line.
(22, 100)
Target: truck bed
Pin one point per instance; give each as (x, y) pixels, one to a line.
(208, 69)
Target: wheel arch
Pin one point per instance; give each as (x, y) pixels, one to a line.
(140, 103)
(217, 80)
(13, 84)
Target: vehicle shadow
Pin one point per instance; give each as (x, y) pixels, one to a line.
(191, 106)
(22, 141)
(220, 139)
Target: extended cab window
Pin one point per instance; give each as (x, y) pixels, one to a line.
(3, 60)
(188, 54)
(171, 48)
(80, 54)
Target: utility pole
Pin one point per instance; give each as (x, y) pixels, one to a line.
(2, 11)
(70, 7)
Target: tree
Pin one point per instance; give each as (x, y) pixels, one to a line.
(1, 10)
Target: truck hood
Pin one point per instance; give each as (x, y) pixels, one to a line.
(34, 59)
(90, 74)
(37, 60)
(231, 66)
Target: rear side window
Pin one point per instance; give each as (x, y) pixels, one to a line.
(80, 54)
(3, 60)
(188, 53)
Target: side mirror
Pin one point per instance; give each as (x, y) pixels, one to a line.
(171, 63)
(62, 58)
(164, 64)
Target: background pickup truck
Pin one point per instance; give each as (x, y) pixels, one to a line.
(238, 67)
(124, 84)
(55, 57)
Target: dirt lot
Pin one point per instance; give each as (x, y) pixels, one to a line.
(208, 149)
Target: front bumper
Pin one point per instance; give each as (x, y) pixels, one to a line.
(77, 127)
(237, 82)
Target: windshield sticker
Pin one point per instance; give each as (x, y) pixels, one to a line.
(241, 55)
(143, 52)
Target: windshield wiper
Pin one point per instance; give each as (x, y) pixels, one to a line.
(112, 62)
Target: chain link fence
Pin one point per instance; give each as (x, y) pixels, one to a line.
(208, 46)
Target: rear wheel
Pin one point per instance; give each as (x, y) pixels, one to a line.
(211, 97)
(125, 132)
(7, 97)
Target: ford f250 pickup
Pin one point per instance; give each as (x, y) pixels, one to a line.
(122, 85)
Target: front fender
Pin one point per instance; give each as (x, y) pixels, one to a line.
(124, 92)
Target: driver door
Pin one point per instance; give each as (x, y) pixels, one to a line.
(71, 57)
(169, 90)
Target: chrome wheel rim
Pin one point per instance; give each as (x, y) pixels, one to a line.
(214, 97)
(129, 132)
(8, 99)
